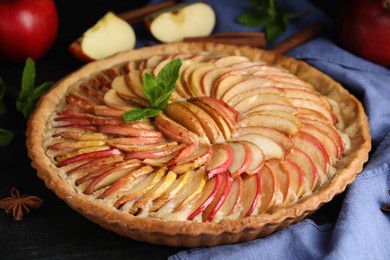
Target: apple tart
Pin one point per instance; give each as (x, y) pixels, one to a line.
(249, 143)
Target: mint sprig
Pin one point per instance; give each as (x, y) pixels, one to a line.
(158, 91)
(29, 94)
(270, 14)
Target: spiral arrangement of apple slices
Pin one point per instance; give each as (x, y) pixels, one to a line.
(238, 138)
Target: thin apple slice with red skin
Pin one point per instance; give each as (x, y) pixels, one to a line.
(152, 154)
(90, 155)
(230, 60)
(135, 140)
(251, 192)
(210, 77)
(246, 84)
(329, 129)
(129, 130)
(220, 161)
(293, 119)
(269, 189)
(276, 135)
(174, 130)
(73, 120)
(179, 113)
(312, 147)
(73, 145)
(271, 149)
(145, 148)
(118, 183)
(79, 136)
(186, 75)
(195, 160)
(220, 198)
(232, 207)
(224, 83)
(222, 123)
(134, 81)
(195, 79)
(143, 203)
(108, 112)
(180, 182)
(257, 158)
(79, 127)
(284, 180)
(329, 144)
(224, 109)
(154, 179)
(273, 107)
(97, 163)
(306, 113)
(182, 154)
(307, 166)
(111, 99)
(297, 177)
(242, 157)
(208, 194)
(276, 122)
(259, 99)
(307, 94)
(112, 176)
(310, 104)
(244, 94)
(210, 127)
(85, 104)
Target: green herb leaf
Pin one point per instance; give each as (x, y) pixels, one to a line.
(28, 94)
(5, 137)
(158, 91)
(140, 113)
(267, 13)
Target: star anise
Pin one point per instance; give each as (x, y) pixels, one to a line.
(386, 208)
(19, 205)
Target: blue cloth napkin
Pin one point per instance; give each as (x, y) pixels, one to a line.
(362, 230)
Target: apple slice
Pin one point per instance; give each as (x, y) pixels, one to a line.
(144, 203)
(129, 130)
(107, 37)
(271, 149)
(174, 130)
(111, 99)
(313, 105)
(244, 94)
(153, 154)
(70, 145)
(282, 114)
(312, 147)
(180, 21)
(209, 126)
(269, 189)
(85, 154)
(281, 124)
(106, 111)
(148, 185)
(228, 61)
(224, 83)
(220, 161)
(284, 180)
(232, 207)
(179, 113)
(96, 163)
(273, 107)
(297, 177)
(196, 77)
(242, 157)
(209, 192)
(224, 109)
(276, 135)
(251, 191)
(134, 81)
(219, 199)
(194, 161)
(307, 166)
(171, 192)
(210, 77)
(257, 158)
(260, 99)
(306, 94)
(221, 122)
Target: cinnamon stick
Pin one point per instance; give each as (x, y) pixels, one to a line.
(254, 39)
(137, 15)
(299, 38)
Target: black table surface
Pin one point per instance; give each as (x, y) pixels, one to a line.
(55, 231)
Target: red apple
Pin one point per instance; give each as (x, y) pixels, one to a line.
(27, 28)
(364, 29)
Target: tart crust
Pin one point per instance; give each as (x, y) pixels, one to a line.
(195, 234)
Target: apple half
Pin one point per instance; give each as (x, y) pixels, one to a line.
(108, 36)
(175, 23)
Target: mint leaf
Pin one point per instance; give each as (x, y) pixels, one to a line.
(158, 91)
(140, 113)
(28, 94)
(5, 137)
(267, 13)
